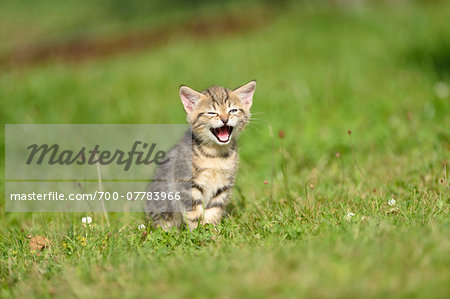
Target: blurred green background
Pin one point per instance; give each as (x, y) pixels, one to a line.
(378, 68)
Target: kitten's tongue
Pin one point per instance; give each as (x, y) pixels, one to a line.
(223, 134)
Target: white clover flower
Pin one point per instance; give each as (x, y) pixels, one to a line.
(141, 227)
(350, 215)
(391, 202)
(86, 220)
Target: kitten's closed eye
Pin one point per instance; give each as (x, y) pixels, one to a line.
(211, 113)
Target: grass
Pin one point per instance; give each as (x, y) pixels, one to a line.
(322, 70)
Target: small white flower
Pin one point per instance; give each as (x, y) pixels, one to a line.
(86, 220)
(141, 227)
(392, 202)
(350, 215)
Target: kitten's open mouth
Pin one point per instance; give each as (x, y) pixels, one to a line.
(222, 133)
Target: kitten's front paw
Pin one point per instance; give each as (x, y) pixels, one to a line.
(192, 225)
(213, 215)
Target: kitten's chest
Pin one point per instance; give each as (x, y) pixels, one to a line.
(213, 174)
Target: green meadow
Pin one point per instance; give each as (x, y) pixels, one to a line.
(351, 110)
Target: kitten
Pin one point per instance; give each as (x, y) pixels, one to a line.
(216, 117)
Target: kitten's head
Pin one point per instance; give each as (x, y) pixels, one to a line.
(218, 114)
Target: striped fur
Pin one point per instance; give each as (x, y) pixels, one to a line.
(213, 115)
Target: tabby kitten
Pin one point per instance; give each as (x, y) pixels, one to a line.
(216, 117)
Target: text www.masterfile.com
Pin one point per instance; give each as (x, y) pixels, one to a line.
(97, 195)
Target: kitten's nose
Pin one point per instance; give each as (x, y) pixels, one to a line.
(224, 119)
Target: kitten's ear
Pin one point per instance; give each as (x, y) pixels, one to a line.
(245, 93)
(189, 98)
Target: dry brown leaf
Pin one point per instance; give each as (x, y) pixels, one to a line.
(39, 243)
